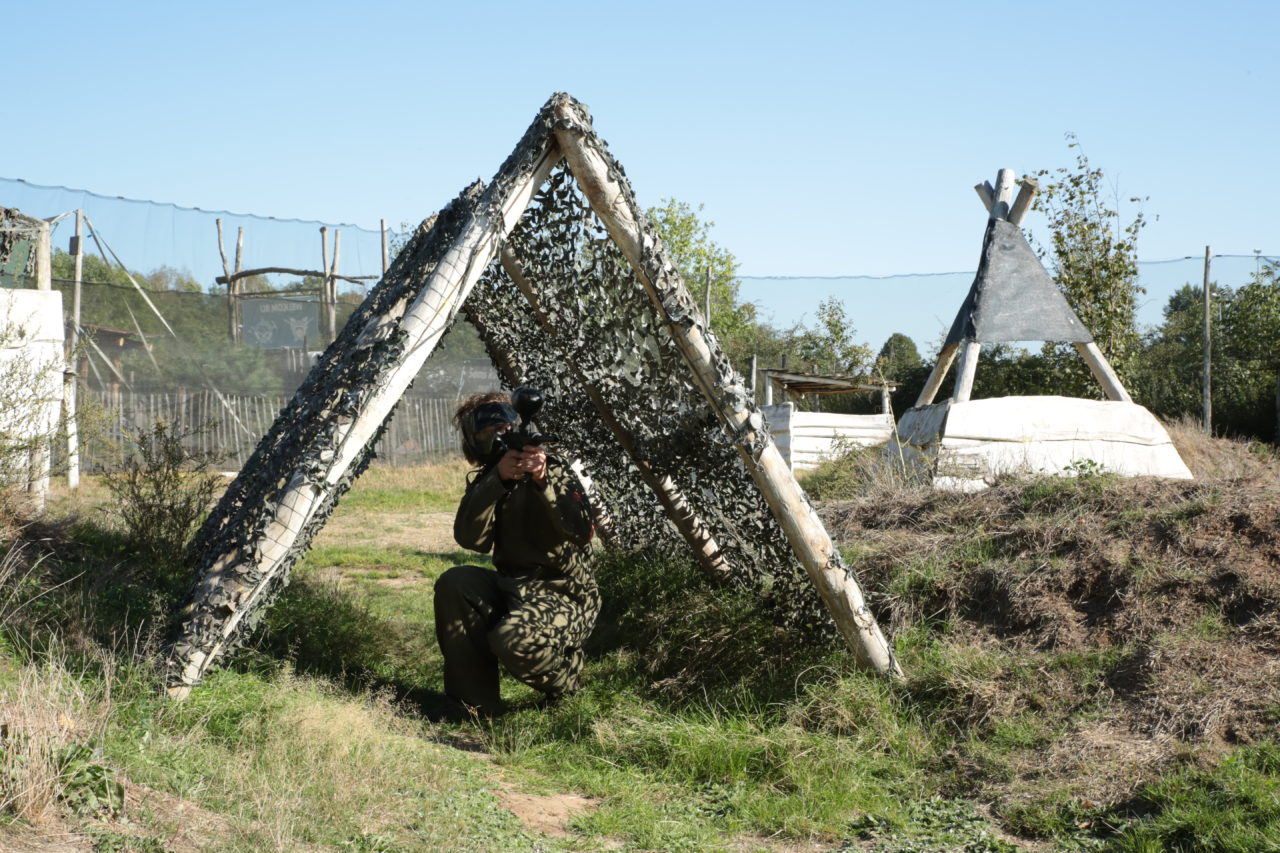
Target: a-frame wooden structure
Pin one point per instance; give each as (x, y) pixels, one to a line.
(324, 438)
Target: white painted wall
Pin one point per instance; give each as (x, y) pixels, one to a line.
(31, 367)
(806, 439)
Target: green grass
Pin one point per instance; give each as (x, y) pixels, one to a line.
(1232, 807)
(703, 723)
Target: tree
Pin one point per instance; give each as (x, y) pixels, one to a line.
(1167, 376)
(1245, 331)
(898, 358)
(1252, 338)
(1094, 260)
(688, 241)
(828, 345)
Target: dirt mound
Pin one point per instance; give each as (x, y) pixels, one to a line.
(1153, 604)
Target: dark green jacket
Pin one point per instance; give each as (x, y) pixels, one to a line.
(533, 532)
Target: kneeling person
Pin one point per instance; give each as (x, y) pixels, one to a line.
(535, 612)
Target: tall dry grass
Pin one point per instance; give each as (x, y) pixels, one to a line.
(45, 709)
(46, 712)
(1211, 458)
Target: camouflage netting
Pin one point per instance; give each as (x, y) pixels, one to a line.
(17, 242)
(594, 332)
(301, 439)
(601, 330)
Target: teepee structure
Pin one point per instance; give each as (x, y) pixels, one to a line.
(572, 291)
(965, 444)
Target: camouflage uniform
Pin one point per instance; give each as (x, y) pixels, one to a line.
(536, 611)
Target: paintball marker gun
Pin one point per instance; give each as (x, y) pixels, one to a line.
(527, 401)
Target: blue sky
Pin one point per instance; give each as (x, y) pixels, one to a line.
(823, 138)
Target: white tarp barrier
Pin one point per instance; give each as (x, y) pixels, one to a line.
(967, 445)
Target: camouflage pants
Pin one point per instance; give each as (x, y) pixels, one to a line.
(536, 629)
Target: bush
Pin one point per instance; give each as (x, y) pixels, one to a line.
(162, 492)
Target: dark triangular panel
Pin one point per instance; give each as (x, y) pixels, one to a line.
(1012, 297)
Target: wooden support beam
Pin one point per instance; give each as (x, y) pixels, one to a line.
(1206, 336)
(1027, 190)
(331, 282)
(939, 373)
(327, 332)
(965, 371)
(73, 357)
(235, 303)
(599, 180)
(783, 377)
(354, 279)
(232, 330)
(43, 251)
(686, 521)
(1002, 195)
(985, 193)
(1101, 369)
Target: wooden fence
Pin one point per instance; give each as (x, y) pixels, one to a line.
(229, 427)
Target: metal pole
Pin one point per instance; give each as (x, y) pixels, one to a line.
(1208, 347)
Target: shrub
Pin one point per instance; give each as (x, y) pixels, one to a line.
(162, 492)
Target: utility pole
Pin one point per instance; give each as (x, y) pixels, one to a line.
(1208, 348)
(71, 379)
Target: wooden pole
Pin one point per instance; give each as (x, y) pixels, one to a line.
(939, 373)
(985, 193)
(673, 501)
(997, 201)
(44, 256)
(1206, 386)
(232, 331)
(382, 226)
(754, 377)
(796, 516)
(1101, 369)
(233, 289)
(1003, 194)
(332, 284)
(328, 333)
(73, 358)
(966, 369)
(1029, 187)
